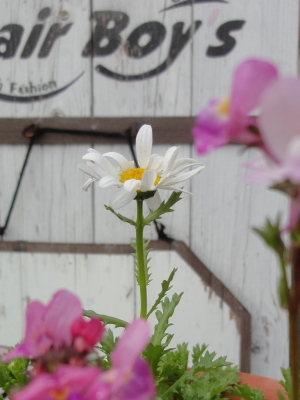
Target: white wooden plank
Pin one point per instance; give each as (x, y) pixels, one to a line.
(50, 205)
(260, 36)
(201, 316)
(222, 238)
(43, 70)
(136, 97)
(11, 297)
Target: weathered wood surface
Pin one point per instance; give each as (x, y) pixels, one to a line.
(140, 58)
(39, 275)
(215, 222)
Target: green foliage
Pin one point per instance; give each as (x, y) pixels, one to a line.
(107, 320)
(174, 364)
(164, 208)
(198, 352)
(106, 346)
(165, 287)
(286, 187)
(146, 261)
(246, 392)
(286, 383)
(120, 216)
(13, 374)
(270, 233)
(160, 340)
(210, 385)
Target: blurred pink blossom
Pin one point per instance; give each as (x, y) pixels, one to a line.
(86, 333)
(130, 377)
(279, 124)
(66, 383)
(223, 120)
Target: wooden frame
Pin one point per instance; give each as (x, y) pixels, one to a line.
(165, 129)
(239, 312)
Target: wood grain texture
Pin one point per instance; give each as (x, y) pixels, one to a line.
(60, 66)
(224, 209)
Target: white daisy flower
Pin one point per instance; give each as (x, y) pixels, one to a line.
(154, 171)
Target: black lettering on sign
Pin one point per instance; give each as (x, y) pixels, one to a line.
(179, 40)
(13, 42)
(35, 33)
(155, 30)
(106, 33)
(55, 31)
(223, 33)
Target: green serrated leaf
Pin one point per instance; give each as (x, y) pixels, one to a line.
(165, 287)
(174, 363)
(163, 317)
(164, 208)
(246, 392)
(120, 216)
(146, 252)
(207, 362)
(198, 352)
(286, 383)
(107, 320)
(271, 234)
(13, 373)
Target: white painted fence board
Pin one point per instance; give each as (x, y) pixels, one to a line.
(201, 316)
(36, 276)
(63, 64)
(49, 205)
(222, 238)
(105, 283)
(261, 36)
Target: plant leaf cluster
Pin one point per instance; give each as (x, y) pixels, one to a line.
(13, 374)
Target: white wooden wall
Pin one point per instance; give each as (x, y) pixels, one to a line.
(215, 222)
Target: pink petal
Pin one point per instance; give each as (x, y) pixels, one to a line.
(210, 130)
(280, 115)
(250, 79)
(62, 310)
(133, 341)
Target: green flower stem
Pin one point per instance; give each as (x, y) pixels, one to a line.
(141, 257)
(119, 323)
(294, 303)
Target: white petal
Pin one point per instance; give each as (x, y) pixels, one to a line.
(102, 162)
(179, 178)
(156, 162)
(86, 169)
(97, 171)
(154, 202)
(148, 179)
(88, 184)
(123, 199)
(109, 181)
(91, 150)
(132, 184)
(169, 159)
(185, 161)
(121, 160)
(176, 189)
(144, 145)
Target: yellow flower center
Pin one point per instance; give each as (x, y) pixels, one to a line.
(223, 107)
(136, 173)
(61, 394)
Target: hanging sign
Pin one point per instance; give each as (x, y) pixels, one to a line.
(121, 58)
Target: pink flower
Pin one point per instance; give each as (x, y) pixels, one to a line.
(223, 120)
(86, 333)
(66, 383)
(48, 325)
(279, 124)
(130, 377)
